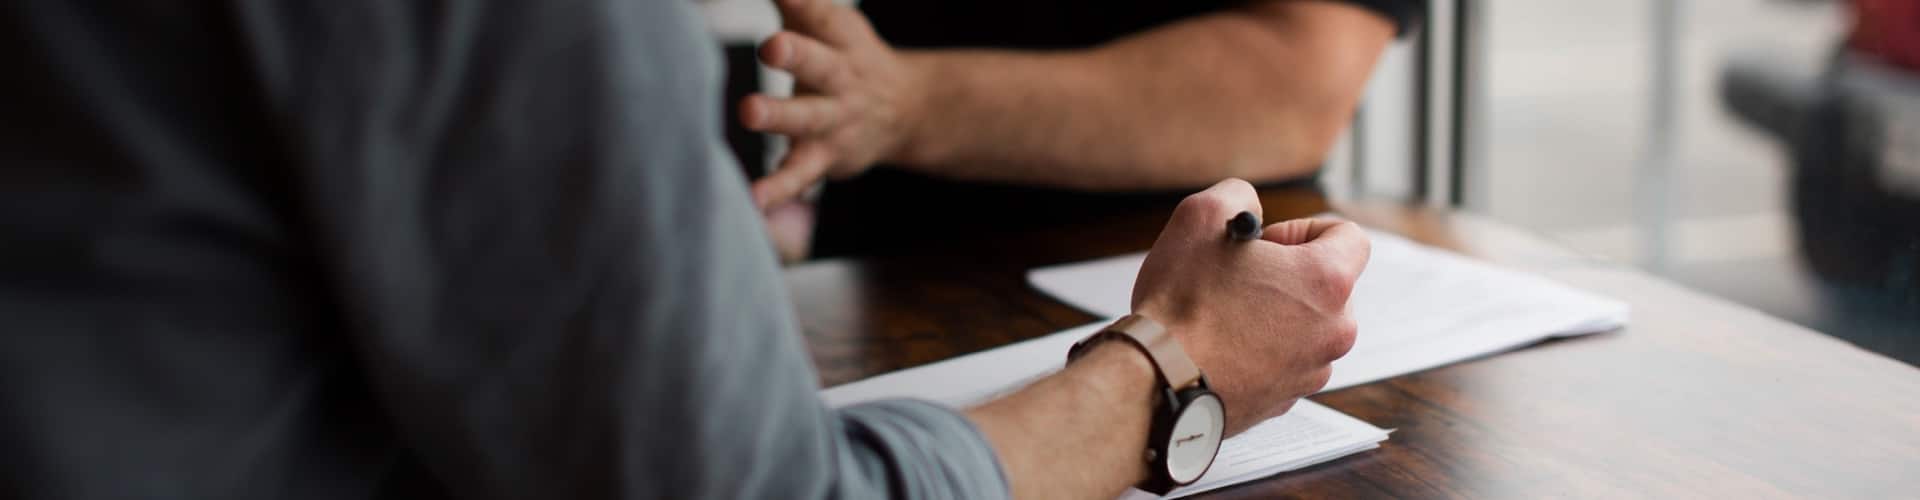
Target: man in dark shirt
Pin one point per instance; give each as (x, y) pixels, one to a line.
(388, 249)
(998, 115)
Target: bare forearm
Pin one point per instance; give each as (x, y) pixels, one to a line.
(1079, 433)
(1258, 93)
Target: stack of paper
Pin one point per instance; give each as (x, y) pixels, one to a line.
(1307, 435)
(1418, 307)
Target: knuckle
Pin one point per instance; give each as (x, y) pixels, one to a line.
(1203, 204)
(1283, 407)
(1363, 244)
(818, 117)
(1346, 331)
(1358, 241)
(839, 77)
(821, 59)
(840, 19)
(1357, 246)
(1347, 276)
(800, 121)
(793, 44)
(854, 20)
(823, 158)
(1318, 380)
(1331, 285)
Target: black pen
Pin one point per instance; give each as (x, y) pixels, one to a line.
(1244, 227)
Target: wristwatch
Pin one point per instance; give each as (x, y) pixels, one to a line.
(1189, 420)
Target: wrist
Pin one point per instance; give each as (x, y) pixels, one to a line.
(1173, 314)
(922, 77)
(1095, 414)
(1123, 379)
(1121, 370)
(1186, 418)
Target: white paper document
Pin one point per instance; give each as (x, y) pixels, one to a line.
(1307, 435)
(1418, 307)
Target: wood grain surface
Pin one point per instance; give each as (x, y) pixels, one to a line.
(1698, 397)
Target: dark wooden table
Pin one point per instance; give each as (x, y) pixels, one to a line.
(1697, 398)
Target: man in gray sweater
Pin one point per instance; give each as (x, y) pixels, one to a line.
(387, 249)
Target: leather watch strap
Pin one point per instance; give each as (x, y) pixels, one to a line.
(1176, 369)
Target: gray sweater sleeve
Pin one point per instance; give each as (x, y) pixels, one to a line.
(553, 276)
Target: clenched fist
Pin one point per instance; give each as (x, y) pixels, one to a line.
(1264, 319)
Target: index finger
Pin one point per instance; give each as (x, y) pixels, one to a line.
(817, 18)
(1297, 231)
(1340, 242)
(802, 14)
(813, 64)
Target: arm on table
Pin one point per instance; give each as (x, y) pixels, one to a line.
(1258, 92)
(1079, 433)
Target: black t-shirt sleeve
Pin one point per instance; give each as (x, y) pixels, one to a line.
(1407, 15)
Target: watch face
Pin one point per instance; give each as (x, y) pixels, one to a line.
(1196, 438)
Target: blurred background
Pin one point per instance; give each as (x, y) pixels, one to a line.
(1765, 151)
(1733, 146)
